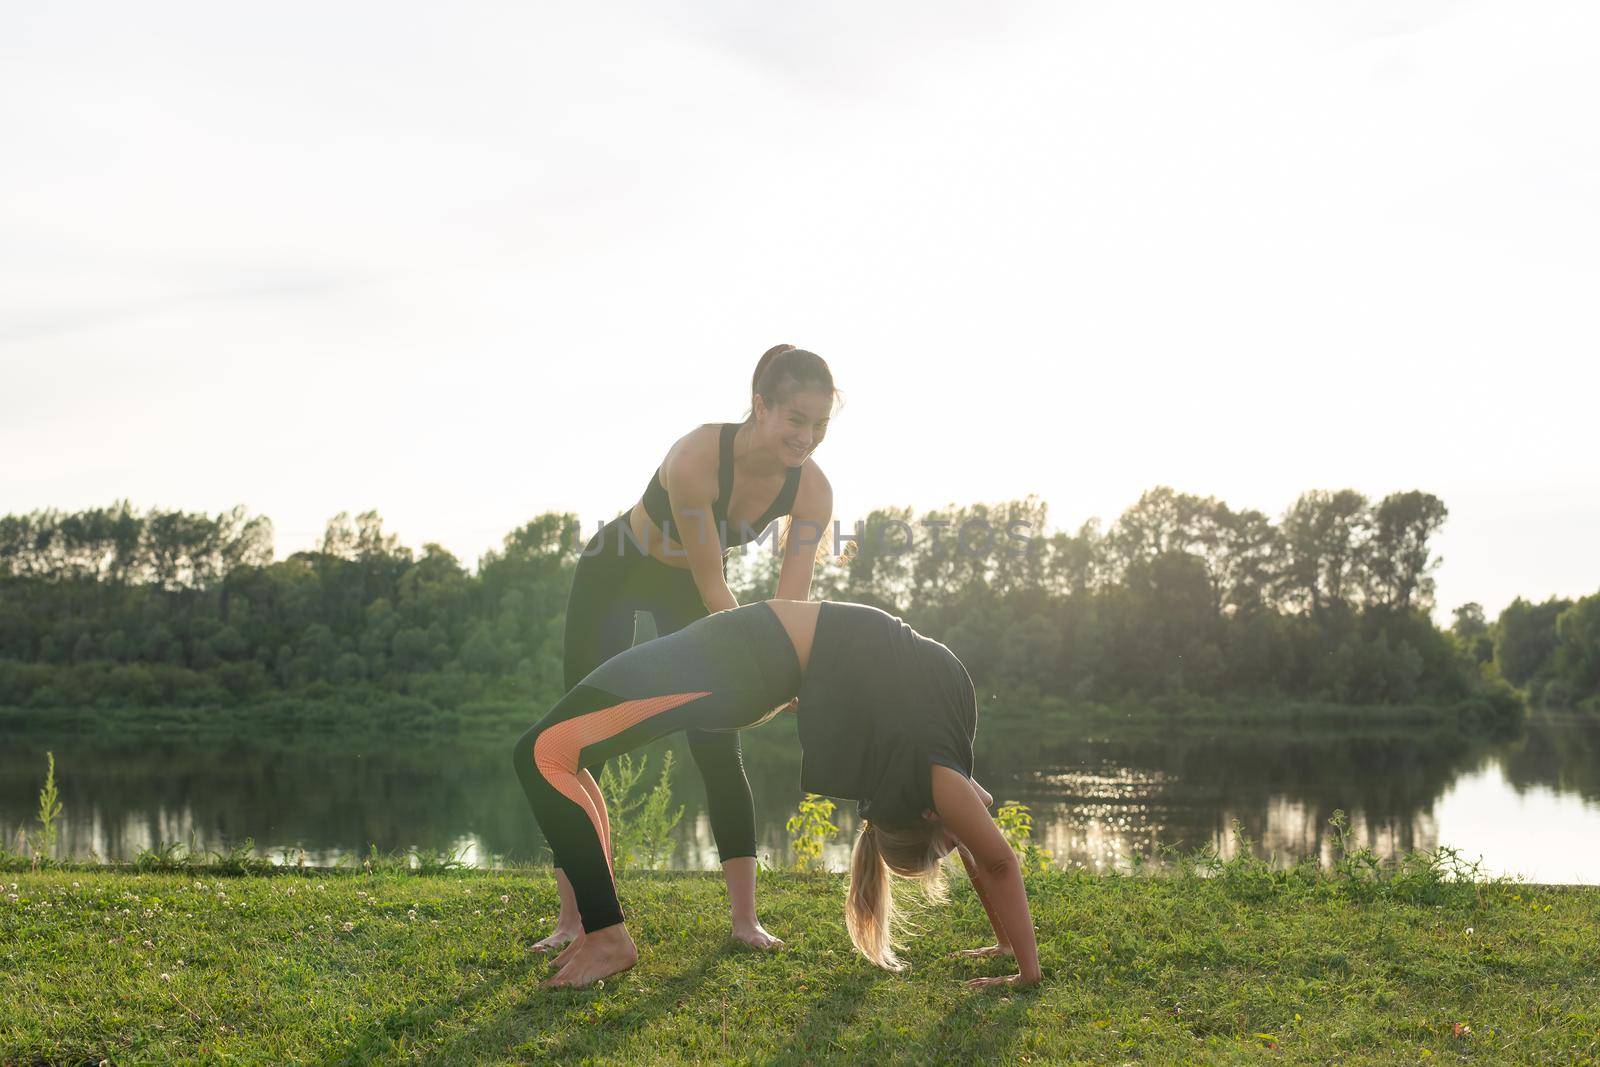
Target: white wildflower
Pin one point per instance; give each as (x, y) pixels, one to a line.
(347, 927)
(165, 977)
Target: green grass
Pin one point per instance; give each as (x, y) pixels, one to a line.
(1245, 965)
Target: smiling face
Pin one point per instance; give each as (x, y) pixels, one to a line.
(793, 426)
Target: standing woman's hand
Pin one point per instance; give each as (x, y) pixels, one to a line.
(689, 475)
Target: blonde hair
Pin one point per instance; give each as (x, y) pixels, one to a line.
(869, 909)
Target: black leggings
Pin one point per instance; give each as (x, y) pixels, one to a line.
(721, 674)
(614, 579)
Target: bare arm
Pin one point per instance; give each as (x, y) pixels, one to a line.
(1002, 943)
(808, 527)
(994, 868)
(690, 478)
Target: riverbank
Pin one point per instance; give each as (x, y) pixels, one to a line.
(353, 968)
(1027, 715)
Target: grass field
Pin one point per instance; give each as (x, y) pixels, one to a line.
(347, 967)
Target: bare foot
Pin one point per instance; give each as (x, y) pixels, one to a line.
(561, 958)
(753, 934)
(558, 937)
(600, 955)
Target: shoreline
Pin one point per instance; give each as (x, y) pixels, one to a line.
(358, 714)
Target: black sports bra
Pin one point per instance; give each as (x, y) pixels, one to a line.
(658, 505)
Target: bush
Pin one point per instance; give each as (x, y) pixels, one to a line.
(19, 681)
(1016, 823)
(642, 824)
(1494, 709)
(810, 829)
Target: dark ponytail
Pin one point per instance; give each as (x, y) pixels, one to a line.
(766, 361)
(784, 370)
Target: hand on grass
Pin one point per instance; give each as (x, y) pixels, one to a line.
(985, 952)
(1013, 981)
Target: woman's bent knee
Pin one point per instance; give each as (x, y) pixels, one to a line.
(522, 751)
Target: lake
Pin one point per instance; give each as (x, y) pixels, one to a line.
(1527, 806)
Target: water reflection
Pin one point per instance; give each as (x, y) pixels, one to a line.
(1110, 799)
(1530, 805)
(1560, 751)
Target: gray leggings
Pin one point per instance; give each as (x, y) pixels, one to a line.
(724, 673)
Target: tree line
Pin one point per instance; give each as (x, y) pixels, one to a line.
(1550, 650)
(1180, 596)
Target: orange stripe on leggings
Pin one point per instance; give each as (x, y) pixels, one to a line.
(558, 749)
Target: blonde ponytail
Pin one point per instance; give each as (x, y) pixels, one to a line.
(869, 910)
(869, 907)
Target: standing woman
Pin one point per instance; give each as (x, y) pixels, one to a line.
(719, 486)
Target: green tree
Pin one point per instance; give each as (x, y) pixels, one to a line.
(1577, 655)
(1470, 622)
(1322, 539)
(1525, 639)
(1472, 632)
(1399, 562)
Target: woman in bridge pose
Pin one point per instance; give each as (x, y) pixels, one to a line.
(886, 717)
(719, 486)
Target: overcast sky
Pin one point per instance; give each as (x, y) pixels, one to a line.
(467, 265)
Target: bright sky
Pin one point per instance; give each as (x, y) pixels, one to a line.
(467, 264)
